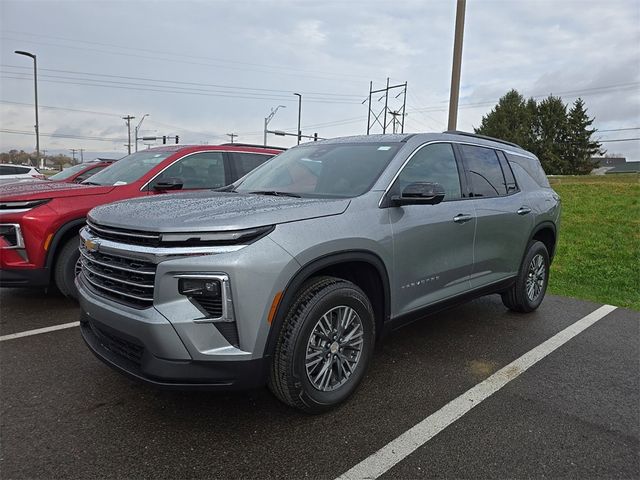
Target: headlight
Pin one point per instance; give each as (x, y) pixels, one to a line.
(198, 287)
(17, 207)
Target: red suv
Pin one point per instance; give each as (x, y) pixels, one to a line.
(39, 222)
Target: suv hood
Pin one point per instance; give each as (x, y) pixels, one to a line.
(42, 190)
(209, 211)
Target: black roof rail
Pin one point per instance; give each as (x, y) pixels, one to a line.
(236, 144)
(484, 137)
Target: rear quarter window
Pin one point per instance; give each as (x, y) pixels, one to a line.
(532, 167)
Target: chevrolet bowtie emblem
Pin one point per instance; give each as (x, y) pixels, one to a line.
(90, 245)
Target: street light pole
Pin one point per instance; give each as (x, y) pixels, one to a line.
(299, 115)
(268, 118)
(138, 128)
(35, 83)
(457, 64)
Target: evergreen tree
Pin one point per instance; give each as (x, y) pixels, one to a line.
(553, 136)
(511, 119)
(580, 145)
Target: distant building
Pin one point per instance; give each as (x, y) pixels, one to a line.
(608, 161)
(627, 167)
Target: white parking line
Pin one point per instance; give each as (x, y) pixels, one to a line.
(38, 331)
(399, 448)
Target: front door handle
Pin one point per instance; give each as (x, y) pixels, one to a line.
(523, 210)
(462, 218)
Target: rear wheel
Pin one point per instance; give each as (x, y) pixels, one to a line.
(66, 268)
(531, 284)
(324, 347)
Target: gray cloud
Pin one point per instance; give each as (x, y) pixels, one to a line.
(329, 51)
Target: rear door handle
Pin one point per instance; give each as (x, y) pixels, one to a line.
(462, 218)
(523, 210)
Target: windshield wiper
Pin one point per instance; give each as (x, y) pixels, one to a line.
(276, 193)
(90, 183)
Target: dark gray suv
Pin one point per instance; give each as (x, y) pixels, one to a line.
(291, 274)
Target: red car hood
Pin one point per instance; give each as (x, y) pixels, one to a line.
(42, 190)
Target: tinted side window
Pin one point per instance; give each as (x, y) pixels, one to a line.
(245, 162)
(201, 170)
(433, 163)
(532, 167)
(483, 172)
(6, 170)
(512, 186)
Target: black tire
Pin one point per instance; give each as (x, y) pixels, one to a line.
(289, 379)
(517, 297)
(64, 270)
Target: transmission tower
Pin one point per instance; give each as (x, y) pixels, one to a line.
(380, 117)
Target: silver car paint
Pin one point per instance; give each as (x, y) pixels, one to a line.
(428, 257)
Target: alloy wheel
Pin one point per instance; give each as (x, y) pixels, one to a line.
(334, 348)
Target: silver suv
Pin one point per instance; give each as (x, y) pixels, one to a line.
(291, 274)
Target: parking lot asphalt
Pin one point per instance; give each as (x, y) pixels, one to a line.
(574, 414)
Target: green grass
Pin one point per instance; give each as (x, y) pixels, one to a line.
(598, 254)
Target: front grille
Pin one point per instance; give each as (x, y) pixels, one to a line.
(122, 279)
(121, 235)
(118, 345)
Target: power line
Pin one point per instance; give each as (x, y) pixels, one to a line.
(179, 54)
(618, 140)
(622, 86)
(262, 69)
(230, 87)
(63, 135)
(48, 107)
(162, 89)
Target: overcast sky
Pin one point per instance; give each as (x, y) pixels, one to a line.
(205, 69)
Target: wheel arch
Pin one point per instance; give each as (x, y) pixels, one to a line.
(353, 265)
(546, 232)
(62, 235)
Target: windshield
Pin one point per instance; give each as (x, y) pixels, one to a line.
(322, 170)
(68, 172)
(128, 169)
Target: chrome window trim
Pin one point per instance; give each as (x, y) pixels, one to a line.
(196, 153)
(457, 142)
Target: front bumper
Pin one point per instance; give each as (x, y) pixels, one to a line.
(24, 277)
(148, 349)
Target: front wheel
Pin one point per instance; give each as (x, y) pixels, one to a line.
(324, 347)
(531, 284)
(66, 268)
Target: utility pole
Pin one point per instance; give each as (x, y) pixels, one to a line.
(232, 135)
(381, 117)
(268, 119)
(81, 155)
(73, 154)
(299, 116)
(457, 66)
(128, 119)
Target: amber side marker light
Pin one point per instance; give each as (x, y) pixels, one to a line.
(274, 307)
(47, 242)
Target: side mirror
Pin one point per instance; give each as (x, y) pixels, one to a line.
(419, 193)
(168, 184)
